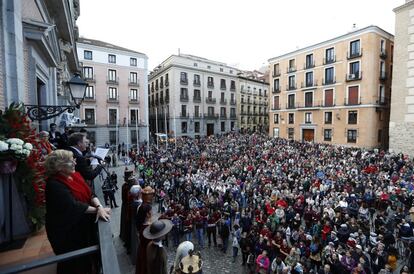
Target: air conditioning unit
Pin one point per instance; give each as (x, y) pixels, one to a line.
(351, 76)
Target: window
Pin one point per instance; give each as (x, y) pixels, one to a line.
(355, 48)
(354, 70)
(133, 62)
(223, 126)
(184, 93)
(329, 76)
(309, 99)
(223, 112)
(195, 65)
(197, 94)
(197, 111)
(197, 127)
(276, 84)
(134, 137)
(210, 82)
(328, 117)
(183, 127)
(183, 110)
(276, 118)
(292, 65)
(291, 133)
(329, 55)
(327, 134)
(112, 58)
(276, 132)
(291, 118)
(292, 82)
(112, 137)
(113, 116)
(309, 79)
(183, 78)
(209, 67)
(112, 75)
(382, 46)
(382, 70)
(90, 92)
(309, 61)
(221, 70)
(291, 101)
(223, 84)
(232, 126)
(133, 78)
(276, 69)
(112, 93)
(133, 116)
(133, 94)
(210, 111)
(308, 117)
(232, 85)
(88, 72)
(222, 96)
(352, 117)
(233, 112)
(381, 99)
(210, 94)
(276, 104)
(329, 102)
(89, 116)
(352, 136)
(353, 95)
(197, 80)
(87, 55)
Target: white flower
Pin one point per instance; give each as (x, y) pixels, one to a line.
(28, 146)
(16, 147)
(4, 146)
(16, 141)
(26, 152)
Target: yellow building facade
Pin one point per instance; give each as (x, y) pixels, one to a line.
(335, 92)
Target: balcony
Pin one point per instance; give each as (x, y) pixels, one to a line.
(184, 115)
(329, 81)
(223, 87)
(90, 78)
(184, 98)
(354, 54)
(309, 105)
(210, 85)
(223, 102)
(276, 73)
(112, 80)
(156, 87)
(356, 76)
(112, 100)
(383, 101)
(184, 81)
(196, 83)
(156, 101)
(325, 104)
(233, 102)
(211, 115)
(167, 99)
(90, 99)
(276, 90)
(352, 102)
(309, 65)
(383, 75)
(133, 82)
(133, 101)
(233, 116)
(197, 116)
(309, 84)
(197, 99)
(329, 60)
(223, 116)
(383, 54)
(161, 100)
(167, 83)
(291, 87)
(232, 88)
(290, 106)
(291, 69)
(210, 100)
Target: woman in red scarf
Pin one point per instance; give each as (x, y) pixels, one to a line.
(71, 212)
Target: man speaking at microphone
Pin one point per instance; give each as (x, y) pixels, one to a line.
(77, 143)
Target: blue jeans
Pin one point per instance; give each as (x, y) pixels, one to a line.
(225, 244)
(200, 236)
(188, 236)
(235, 252)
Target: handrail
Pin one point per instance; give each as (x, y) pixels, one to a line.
(50, 260)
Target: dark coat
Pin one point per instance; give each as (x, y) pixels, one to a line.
(83, 166)
(68, 227)
(156, 259)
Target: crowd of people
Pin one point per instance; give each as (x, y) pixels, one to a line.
(285, 206)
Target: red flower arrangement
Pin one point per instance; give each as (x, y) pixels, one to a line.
(30, 173)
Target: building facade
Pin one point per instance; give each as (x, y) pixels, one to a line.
(402, 99)
(192, 96)
(252, 103)
(37, 52)
(335, 92)
(115, 104)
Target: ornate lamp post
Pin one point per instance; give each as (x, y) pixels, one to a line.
(77, 89)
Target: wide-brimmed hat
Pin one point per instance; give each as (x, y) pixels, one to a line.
(157, 229)
(128, 174)
(191, 263)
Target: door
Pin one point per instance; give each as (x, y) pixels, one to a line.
(210, 129)
(308, 135)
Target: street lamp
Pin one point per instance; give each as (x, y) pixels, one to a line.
(77, 88)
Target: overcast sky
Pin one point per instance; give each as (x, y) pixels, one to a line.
(241, 33)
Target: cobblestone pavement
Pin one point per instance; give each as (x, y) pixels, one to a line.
(215, 262)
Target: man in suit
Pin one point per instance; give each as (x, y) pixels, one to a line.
(54, 136)
(77, 144)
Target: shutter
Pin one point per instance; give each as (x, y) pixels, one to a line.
(329, 98)
(353, 96)
(276, 102)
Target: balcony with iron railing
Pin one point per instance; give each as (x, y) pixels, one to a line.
(354, 54)
(90, 78)
(211, 115)
(328, 104)
(210, 84)
(210, 100)
(133, 101)
(184, 115)
(383, 75)
(223, 101)
(232, 88)
(223, 116)
(90, 99)
(276, 73)
(309, 84)
(167, 83)
(233, 102)
(308, 105)
(290, 106)
(223, 87)
(276, 89)
(329, 60)
(112, 80)
(197, 115)
(291, 69)
(309, 65)
(352, 101)
(382, 100)
(329, 81)
(167, 99)
(383, 54)
(196, 83)
(184, 98)
(133, 82)
(197, 99)
(110, 99)
(276, 107)
(161, 100)
(184, 81)
(356, 76)
(233, 116)
(291, 86)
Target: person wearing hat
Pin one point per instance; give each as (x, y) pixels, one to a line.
(143, 220)
(182, 251)
(156, 260)
(192, 263)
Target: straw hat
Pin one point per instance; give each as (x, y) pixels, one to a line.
(157, 229)
(191, 263)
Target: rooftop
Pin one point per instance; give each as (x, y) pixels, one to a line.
(103, 44)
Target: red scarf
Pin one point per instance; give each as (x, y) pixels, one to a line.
(77, 185)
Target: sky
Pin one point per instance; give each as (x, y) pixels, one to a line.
(241, 33)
